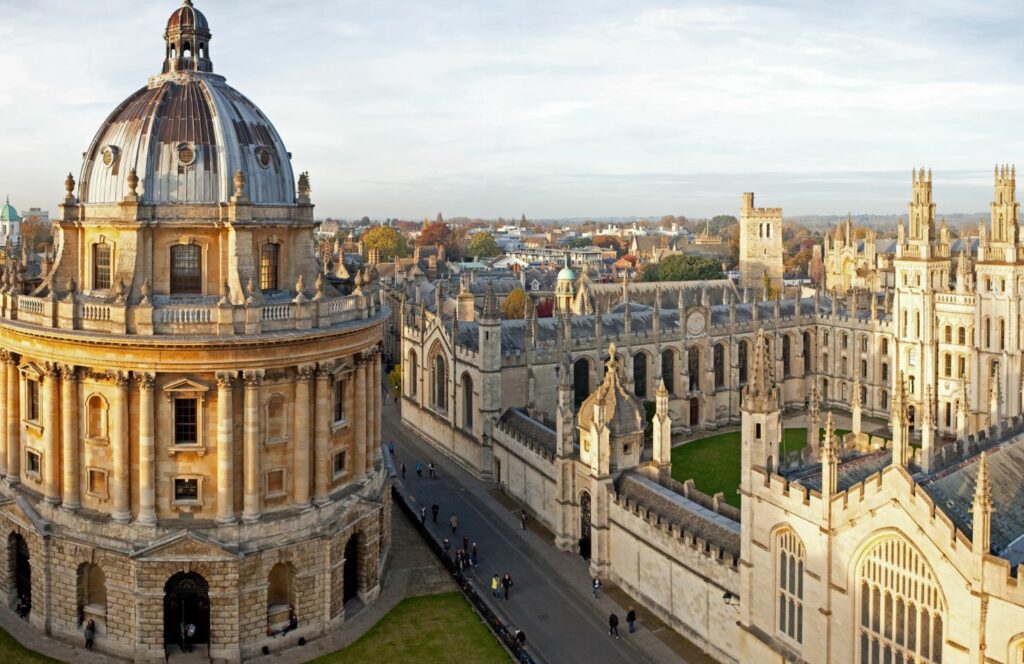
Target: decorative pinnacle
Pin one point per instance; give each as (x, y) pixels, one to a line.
(983, 487)
(662, 392)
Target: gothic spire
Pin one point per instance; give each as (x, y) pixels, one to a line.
(982, 510)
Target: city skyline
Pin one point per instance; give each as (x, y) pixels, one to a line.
(584, 109)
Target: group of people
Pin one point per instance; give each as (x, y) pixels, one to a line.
(613, 619)
(465, 556)
(503, 584)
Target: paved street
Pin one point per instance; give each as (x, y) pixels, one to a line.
(550, 599)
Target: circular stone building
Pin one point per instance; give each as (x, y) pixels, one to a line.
(190, 407)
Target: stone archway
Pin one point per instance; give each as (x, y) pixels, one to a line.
(584, 541)
(694, 412)
(350, 582)
(19, 570)
(186, 602)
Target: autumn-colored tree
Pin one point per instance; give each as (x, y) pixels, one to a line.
(608, 242)
(387, 240)
(514, 304)
(483, 245)
(395, 381)
(433, 234)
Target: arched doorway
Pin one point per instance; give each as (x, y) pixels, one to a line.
(585, 525)
(20, 568)
(350, 580)
(186, 602)
(694, 412)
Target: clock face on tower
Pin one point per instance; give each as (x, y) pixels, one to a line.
(695, 323)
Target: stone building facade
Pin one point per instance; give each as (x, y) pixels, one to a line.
(760, 245)
(191, 407)
(904, 546)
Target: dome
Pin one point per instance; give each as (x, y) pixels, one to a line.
(8, 213)
(623, 412)
(186, 134)
(566, 274)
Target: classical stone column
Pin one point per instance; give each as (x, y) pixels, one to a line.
(119, 443)
(361, 414)
(3, 411)
(51, 435)
(251, 455)
(322, 417)
(225, 448)
(13, 419)
(378, 412)
(303, 397)
(69, 437)
(147, 449)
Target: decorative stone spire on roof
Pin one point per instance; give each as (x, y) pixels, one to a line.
(490, 303)
(982, 509)
(760, 392)
(829, 462)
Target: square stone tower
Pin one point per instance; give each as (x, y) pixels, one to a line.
(760, 244)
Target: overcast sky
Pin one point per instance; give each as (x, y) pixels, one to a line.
(556, 109)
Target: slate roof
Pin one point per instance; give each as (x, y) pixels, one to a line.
(680, 510)
(851, 472)
(531, 430)
(953, 491)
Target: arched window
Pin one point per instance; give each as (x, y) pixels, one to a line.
(789, 586)
(885, 371)
(269, 266)
(693, 367)
(741, 360)
(92, 593)
(276, 421)
(440, 382)
(949, 334)
(96, 417)
(807, 352)
(640, 374)
(581, 380)
(467, 401)
(961, 336)
(280, 595)
(1002, 334)
(101, 266)
(947, 365)
(413, 378)
(186, 269)
(917, 324)
(885, 346)
(786, 370)
(883, 399)
(668, 370)
(900, 605)
(844, 340)
(719, 360)
(988, 332)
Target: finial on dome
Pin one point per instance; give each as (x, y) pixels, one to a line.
(69, 187)
(240, 196)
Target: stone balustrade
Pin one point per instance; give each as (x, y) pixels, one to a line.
(184, 319)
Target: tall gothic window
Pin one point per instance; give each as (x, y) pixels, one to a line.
(790, 585)
(268, 266)
(413, 377)
(581, 380)
(719, 359)
(693, 360)
(186, 269)
(741, 361)
(668, 370)
(807, 352)
(901, 606)
(640, 375)
(786, 371)
(440, 383)
(101, 266)
(467, 401)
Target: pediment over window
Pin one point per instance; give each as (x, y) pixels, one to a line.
(31, 369)
(185, 388)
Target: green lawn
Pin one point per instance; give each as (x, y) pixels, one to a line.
(714, 462)
(12, 651)
(432, 629)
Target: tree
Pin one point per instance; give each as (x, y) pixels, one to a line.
(766, 284)
(395, 381)
(580, 243)
(608, 242)
(433, 234)
(681, 267)
(514, 304)
(483, 245)
(387, 240)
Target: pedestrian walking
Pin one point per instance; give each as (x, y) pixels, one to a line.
(474, 555)
(90, 634)
(434, 509)
(522, 520)
(391, 449)
(495, 582)
(423, 515)
(506, 583)
(465, 543)
(453, 521)
(190, 634)
(613, 625)
(403, 470)
(446, 547)
(631, 620)
(596, 585)
(431, 471)
(419, 469)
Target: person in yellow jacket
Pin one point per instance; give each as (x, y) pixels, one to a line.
(494, 585)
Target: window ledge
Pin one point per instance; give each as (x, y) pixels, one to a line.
(276, 494)
(33, 425)
(341, 475)
(187, 505)
(33, 475)
(187, 449)
(273, 442)
(99, 441)
(102, 497)
(340, 424)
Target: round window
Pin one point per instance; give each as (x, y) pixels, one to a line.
(263, 157)
(109, 155)
(186, 154)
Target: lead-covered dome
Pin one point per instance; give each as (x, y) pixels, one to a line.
(619, 408)
(186, 134)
